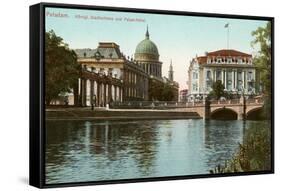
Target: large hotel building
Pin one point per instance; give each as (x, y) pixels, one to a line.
(233, 68)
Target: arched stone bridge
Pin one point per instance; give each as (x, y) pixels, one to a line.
(228, 109)
(234, 109)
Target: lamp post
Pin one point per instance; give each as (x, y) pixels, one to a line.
(244, 103)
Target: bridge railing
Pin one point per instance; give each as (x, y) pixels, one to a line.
(230, 101)
(255, 101)
(154, 104)
(175, 104)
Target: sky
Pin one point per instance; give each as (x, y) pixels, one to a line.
(178, 38)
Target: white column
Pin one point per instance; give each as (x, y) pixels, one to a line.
(254, 78)
(243, 79)
(88, 92)
(106, 94)
(121, 94)
(117, 93)
(204, 78)
(246, 80)
(95, 88)
(79, 86)
(215, 76)
(222, 76)
(236, 80)
(103, 94)
(232, 79)
(225, 79)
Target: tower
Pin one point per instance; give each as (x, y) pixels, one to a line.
(171, 72)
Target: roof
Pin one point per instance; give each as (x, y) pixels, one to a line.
(202, 59)
(146, 46)
(105, 49)
(223, 53)
(228, 52)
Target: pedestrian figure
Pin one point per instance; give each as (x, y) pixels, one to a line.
(93, 102)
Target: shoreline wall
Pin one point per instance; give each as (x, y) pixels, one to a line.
(117, 115)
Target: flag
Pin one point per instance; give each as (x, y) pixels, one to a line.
(226, 25)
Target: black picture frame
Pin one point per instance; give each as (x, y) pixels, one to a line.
(37, 93)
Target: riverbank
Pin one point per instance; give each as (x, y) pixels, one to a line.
(116, 114)
(253, 154)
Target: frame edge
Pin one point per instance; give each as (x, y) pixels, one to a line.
(35, 130)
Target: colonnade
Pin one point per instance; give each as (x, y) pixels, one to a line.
(153, 69)
(239, 78)
(97, 90)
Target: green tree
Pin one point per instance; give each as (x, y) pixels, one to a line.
(61, 67)
(167, 93)
(263, 63)
(155, 89)
(217, 90)
(160, 91)
(263, 59)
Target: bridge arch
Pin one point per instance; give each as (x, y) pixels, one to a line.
(255, 113)
(224, 113)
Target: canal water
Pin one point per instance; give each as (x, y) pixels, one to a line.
(79, 151)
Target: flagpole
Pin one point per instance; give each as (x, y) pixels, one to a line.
(228, 36)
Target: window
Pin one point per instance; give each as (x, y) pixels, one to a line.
(195, 75)
(229, 60)
(194, 87)
(229, 84)
(209, 75)
(229, 75)
(239, 75)
(208, 86)
(218, 75)
(239, 61)
(250, 76)
(240, 85)
(249, 61)
(229, 80)
(239, 80)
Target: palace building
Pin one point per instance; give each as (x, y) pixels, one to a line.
(108, 76)
(233, 68)
(118, 78)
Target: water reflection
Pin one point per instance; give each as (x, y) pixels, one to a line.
(221, 140)
(91, 150)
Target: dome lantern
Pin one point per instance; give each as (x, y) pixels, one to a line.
(147, 33)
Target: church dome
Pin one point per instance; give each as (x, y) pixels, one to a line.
(146, 50)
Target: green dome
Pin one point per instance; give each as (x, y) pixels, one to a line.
(146, 49)
(146, 46)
